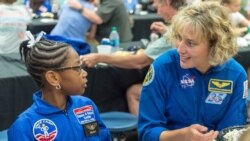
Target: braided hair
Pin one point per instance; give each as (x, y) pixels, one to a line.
(43, 56)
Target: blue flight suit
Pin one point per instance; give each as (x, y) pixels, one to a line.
(174, 98)
(43, 121)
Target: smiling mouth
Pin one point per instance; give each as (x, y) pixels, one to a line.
(184, 59)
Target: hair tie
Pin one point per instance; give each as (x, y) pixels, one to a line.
(32, 40)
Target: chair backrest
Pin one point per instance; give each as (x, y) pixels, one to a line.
(3, 135)
(80, 46)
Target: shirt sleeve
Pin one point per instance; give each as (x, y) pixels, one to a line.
(236, 113)
(158, 47)
(20, 131)
(152, 104)
(104, 132)
(106, 10)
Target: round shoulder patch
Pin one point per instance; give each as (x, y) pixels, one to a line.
(44, 130)
(150, 76)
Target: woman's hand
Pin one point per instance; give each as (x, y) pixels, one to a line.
(198, 132)
(158, 27)
(90, 60)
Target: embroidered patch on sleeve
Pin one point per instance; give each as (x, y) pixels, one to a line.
(245, 91)
(150, 76)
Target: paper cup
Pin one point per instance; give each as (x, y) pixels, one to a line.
(104, 49)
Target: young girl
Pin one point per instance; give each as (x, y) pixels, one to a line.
(58, 111)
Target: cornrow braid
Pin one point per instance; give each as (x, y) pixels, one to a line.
(44, 55)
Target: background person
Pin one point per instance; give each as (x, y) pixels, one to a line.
(72, 24)
(197, 88)
(13, 23)
(39, 6)
(166, 9)
(239, 22)
(109, 13)
(57, 69)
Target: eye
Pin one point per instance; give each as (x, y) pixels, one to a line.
(190, 43)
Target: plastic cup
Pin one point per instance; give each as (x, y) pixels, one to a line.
(104, 49)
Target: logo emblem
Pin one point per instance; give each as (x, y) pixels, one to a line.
(221, 86)
(84, 114)
(150, 76)
(215, 98)
(91, 128)
(44, 130)
(187, 81)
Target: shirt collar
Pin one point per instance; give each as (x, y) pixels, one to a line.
(44, 107)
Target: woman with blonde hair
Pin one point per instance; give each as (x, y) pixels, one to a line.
(194, 91)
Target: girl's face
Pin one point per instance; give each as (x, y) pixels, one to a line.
(193, 52)
(73, 80)
(234, 6)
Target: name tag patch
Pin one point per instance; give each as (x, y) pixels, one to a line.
(91, 128)
(215, 98)
(220, 86)
(84, 114)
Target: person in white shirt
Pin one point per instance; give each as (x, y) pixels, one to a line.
(13, 23)
(239, 22)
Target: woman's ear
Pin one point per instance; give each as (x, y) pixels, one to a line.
(53, 78)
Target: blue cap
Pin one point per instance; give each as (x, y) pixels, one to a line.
(105, 41)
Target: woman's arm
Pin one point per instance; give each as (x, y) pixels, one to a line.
(89, 14)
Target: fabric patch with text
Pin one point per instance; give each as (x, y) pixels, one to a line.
(45, 130)
(84, 114)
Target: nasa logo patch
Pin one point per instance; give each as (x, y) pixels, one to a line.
(44, 130)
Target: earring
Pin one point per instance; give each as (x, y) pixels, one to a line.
(58, 86)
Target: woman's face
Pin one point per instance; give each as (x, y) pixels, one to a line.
(73, 80)
(192, 51)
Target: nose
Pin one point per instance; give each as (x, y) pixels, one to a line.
(84, 73)
(181, 46)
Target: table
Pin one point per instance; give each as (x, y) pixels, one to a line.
(107, 86)
(38, 25)
(141, 28)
